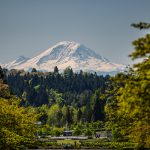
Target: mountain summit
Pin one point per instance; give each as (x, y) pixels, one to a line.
(67, 54)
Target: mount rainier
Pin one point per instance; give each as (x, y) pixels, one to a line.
(67, 54)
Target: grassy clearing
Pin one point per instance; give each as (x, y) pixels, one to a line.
(68, 141)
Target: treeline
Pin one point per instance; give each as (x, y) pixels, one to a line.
(61, 97)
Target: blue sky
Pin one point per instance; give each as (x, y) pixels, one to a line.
(28, 27)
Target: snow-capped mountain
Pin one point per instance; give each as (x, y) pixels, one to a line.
(14, 64)
(67, 54)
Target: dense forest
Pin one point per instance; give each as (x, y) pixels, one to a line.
(85, 102)
(71, 97)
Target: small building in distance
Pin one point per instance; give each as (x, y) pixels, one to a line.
(103, 134)
(67, 133)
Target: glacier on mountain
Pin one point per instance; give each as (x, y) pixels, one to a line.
(67, 54)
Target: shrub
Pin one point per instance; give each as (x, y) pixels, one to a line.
(77, 131)
(88, 132)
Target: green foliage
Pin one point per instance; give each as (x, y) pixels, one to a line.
(4, 90)
(72, 92)
(142, 48)
(44, 88)
(43, 113)
(128, 108)
(54, 115)
(77, 131)
(88, 132)
(57, 131)
(16, 124)
(101, 143)
(37, 87)
(55, 97)
(97, 107)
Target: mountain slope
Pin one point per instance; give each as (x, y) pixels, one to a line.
(14, 64)
(68, 54)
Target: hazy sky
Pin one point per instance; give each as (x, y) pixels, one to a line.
(28, 27)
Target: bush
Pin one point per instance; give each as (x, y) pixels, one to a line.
(77, 131)
(88, 132)
(57, 131)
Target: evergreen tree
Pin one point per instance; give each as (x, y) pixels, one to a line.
(98, 107)
(79, 115)
(69, 116)
(56, 71)
(34, 70)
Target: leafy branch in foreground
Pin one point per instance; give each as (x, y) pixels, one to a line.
(130, 120)
(17, 126)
